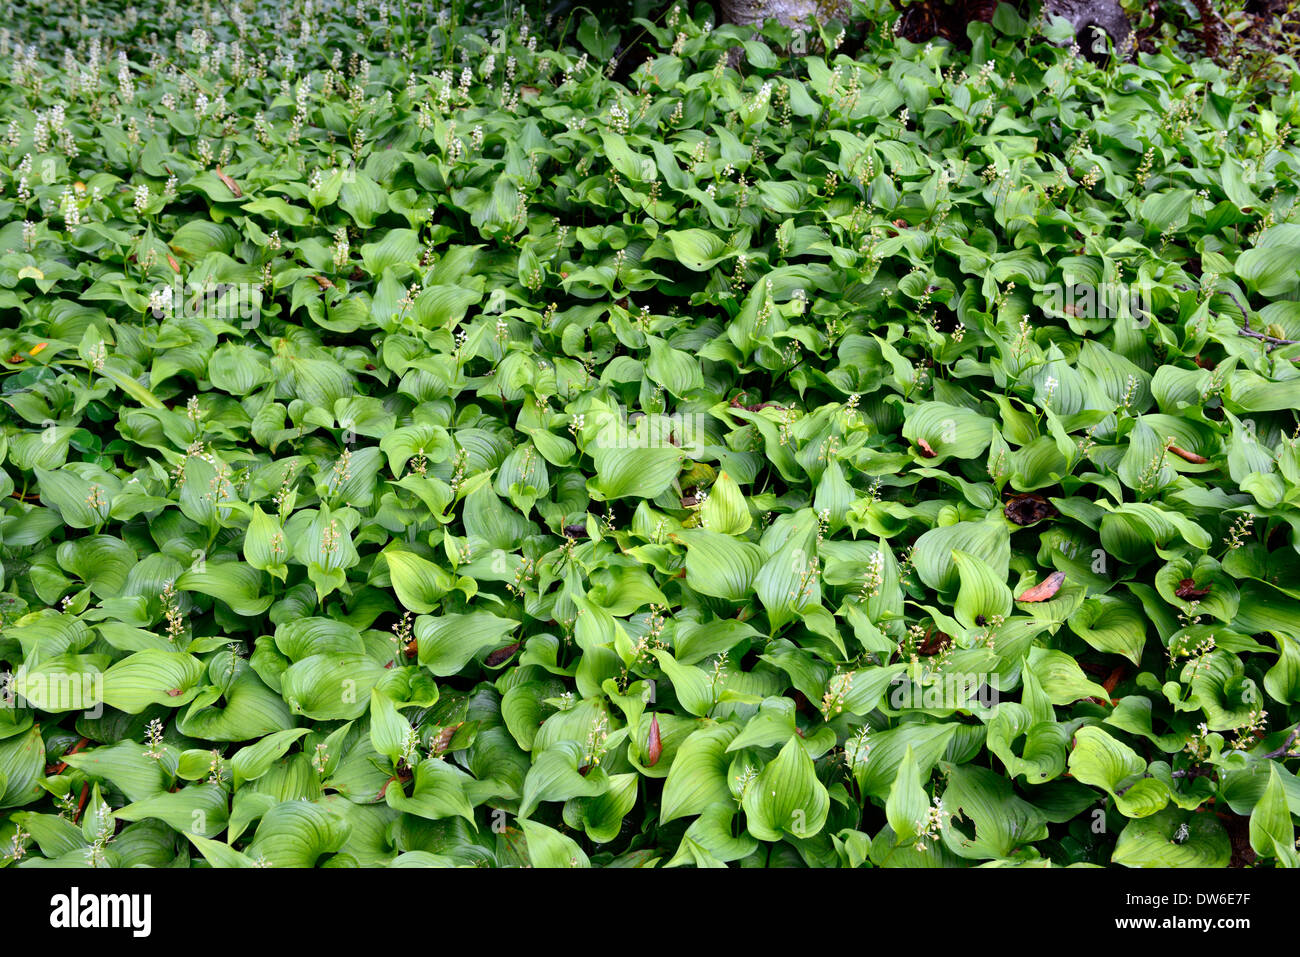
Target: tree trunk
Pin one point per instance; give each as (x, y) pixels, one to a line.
(1085, 15)
(791, 13)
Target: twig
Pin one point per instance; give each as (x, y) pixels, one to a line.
(1285, 747)
(1273, 341)
(1193, 773)
(81, 804)
(60, 766)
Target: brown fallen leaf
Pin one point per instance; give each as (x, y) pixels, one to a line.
(654, 746)
(1045, 589)
(527, 92)
(443, 738)
(1188, 591)
(934, 643)
(323, 282)
(1028, 508)
(500, 655)
(928, 452)
(1189, 456)
(758, 407)
(230, 184)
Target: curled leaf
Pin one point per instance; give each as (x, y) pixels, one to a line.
(654, 747)
(1188, 591)
(1045, 589)
(230, 184)
(1187, 456)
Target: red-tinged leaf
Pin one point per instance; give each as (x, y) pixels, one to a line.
(654, 747)
(171, 261)
(928, 452)
(1188, 456)
(230, 184)
(1188, 591)
(1045, 589)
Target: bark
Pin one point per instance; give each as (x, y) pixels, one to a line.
(1087, 16)
(791, 13)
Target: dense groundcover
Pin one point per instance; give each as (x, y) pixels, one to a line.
(433, 443)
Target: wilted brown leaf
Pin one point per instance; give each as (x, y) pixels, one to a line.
(1188, 456)
(1188, 591)
(230, 184)
(1028, 508)
(500, 655)
(442, 740)
(928, 452)
(934, 643)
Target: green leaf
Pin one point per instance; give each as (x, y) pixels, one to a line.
(786, 799)
(1173, 838)
(419, 583)
(447, 643)
(698, 775)
(1270, 822)
(908, 804)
